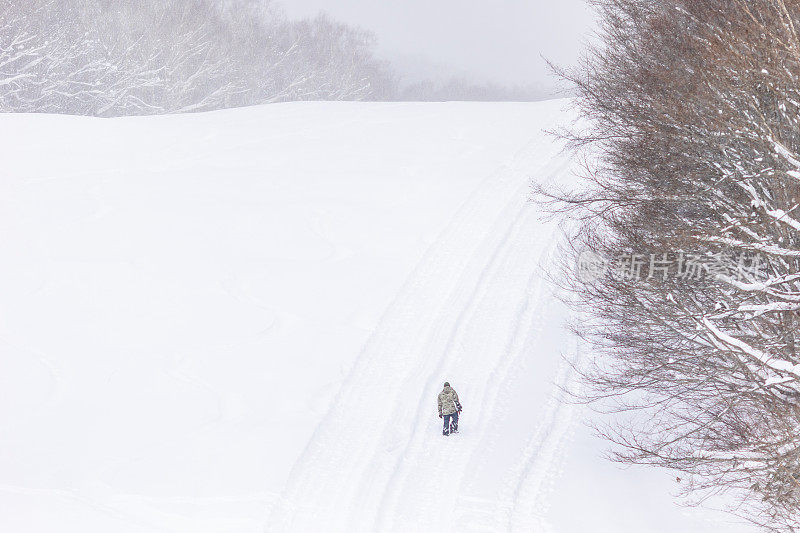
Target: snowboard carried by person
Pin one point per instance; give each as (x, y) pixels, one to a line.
(449, 407)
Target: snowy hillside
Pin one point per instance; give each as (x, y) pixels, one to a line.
(239, 321)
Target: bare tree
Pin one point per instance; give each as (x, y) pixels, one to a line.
(343, 59)
(162, 57)
(127, 57)
(45, 62)
(691, 196)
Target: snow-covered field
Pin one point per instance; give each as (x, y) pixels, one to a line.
(238, 321)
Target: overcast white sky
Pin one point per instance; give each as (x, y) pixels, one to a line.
(499, 40)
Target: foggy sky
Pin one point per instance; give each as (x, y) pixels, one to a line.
(497, 40)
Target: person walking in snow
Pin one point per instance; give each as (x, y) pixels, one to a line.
(449, 407)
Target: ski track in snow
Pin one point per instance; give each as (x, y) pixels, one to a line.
(488, 404)
(374, 468)
(542, 456)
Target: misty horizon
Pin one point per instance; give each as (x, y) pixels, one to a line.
(505, 43)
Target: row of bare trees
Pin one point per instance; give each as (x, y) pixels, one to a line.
(693, 145)
(465, 89)
(124, 57)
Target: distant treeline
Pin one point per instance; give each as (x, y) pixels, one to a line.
(138, 57)
(132, 57)
(461, 88)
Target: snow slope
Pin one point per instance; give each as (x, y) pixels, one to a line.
(238, 321)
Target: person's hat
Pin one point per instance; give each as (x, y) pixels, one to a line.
(446, 384)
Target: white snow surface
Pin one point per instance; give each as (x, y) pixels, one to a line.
(239, 321)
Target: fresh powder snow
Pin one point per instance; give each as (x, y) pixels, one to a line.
(239, 321)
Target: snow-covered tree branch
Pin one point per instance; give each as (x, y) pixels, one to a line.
(123, 57)
(694, 108)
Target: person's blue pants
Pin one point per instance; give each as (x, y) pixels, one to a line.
(450, 423)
